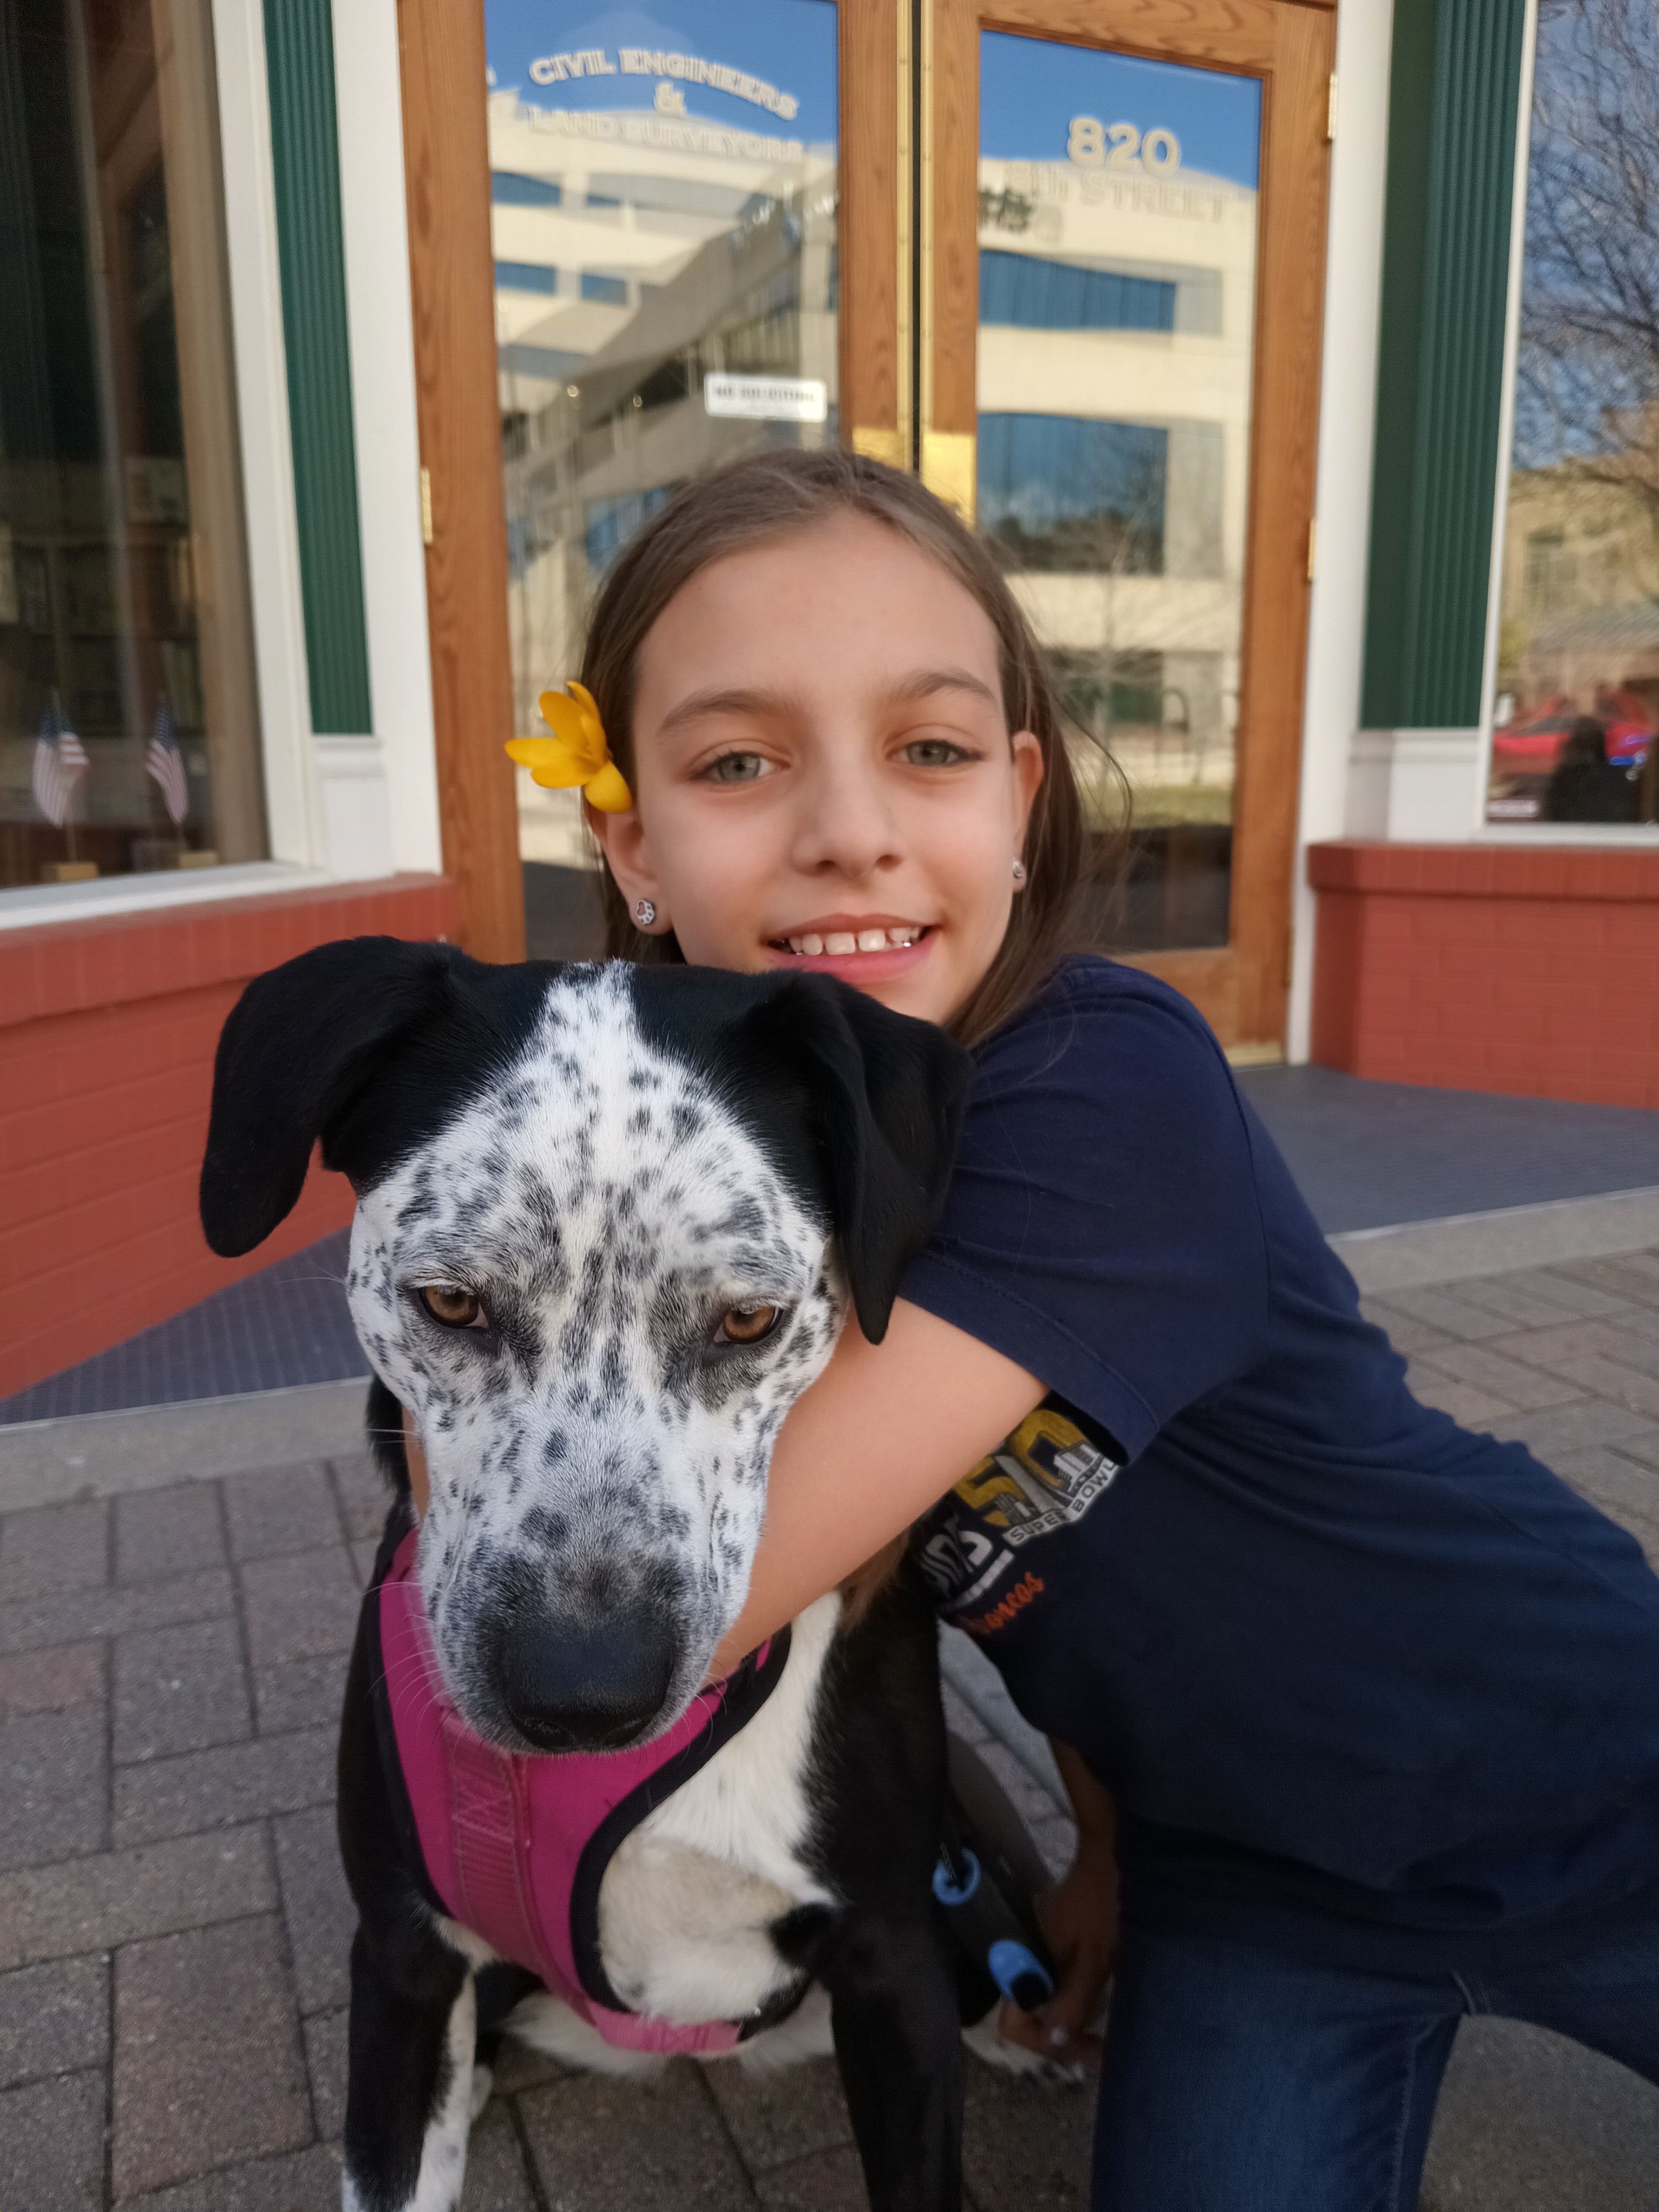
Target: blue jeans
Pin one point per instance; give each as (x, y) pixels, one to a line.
(1239, 2080)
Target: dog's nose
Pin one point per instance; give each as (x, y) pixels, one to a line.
(587, 1687)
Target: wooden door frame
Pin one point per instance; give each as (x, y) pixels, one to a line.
(1243, 988)
(441, 44)
(874, 186)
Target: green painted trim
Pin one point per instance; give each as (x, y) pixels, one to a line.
(1453, 111)
(311, 247)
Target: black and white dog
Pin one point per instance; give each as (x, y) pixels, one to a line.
(609, 1222)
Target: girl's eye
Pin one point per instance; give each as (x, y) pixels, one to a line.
(737, 768)
(452, 1307)
(934, 752)
(748, 1324)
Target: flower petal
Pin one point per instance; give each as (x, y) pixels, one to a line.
(608, 791)
(575, 727)
(551, 762)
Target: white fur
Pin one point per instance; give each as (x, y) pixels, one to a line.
(686, 1902)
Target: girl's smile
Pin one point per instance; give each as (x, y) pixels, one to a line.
(863, 948)
(823, 774)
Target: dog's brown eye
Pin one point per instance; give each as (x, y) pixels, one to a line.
(747, 1324)
(454, 1307)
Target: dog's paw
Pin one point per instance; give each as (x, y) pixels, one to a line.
(484, 2081)
(985, 2042)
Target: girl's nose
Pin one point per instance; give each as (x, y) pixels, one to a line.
(845, 825)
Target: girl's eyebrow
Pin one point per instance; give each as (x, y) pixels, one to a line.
(906, 690)
(926, 683)
(714, 701)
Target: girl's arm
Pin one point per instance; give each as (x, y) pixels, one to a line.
(881, 1436)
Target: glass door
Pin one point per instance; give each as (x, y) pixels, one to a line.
(671, 221)
(1122, 234)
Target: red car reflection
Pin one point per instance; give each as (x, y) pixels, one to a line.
(1530, 748)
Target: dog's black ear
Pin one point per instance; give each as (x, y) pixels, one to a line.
(887, 1093)
(298, 1044)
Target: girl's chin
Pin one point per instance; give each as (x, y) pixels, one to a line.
(863, 970)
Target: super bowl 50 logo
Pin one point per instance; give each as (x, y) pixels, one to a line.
(1045, 1474)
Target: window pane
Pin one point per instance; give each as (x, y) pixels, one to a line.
(1117, 208)
(1578, 639)
(128, 730)
(666, 289)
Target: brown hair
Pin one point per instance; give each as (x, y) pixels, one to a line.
(767, 495)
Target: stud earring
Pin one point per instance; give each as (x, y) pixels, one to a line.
(644, 913)
(1019, 870)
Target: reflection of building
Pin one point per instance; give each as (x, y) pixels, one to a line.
(1114, 449)
(1580, 604)
(634, 255)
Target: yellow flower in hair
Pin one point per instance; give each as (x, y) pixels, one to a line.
(577, 755)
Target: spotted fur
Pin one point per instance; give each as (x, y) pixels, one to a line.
(609, 1207)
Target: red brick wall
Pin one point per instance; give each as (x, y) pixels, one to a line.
(1528, 969)
(107, 1030)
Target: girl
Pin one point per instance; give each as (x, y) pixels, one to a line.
(1365, 1709)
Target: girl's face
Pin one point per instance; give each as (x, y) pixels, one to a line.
(823, 778)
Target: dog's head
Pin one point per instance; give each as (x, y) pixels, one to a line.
(608, 1223)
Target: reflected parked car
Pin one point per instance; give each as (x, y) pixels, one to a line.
(1532, 747)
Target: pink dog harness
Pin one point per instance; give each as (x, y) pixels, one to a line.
(515, 1845)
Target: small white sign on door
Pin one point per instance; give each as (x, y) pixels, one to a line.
(767, 398)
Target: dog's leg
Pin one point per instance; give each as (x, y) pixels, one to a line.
(898, 2040)
(409, 2105)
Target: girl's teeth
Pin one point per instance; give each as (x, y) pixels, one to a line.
(840, 942)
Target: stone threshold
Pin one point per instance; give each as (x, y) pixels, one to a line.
(1416, 1254)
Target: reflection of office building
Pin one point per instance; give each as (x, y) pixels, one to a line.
(1580, 596)
(1113, 455)
(635, 256)
(1115, 313)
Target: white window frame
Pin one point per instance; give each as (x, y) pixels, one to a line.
(363, 806)
(1614, 835)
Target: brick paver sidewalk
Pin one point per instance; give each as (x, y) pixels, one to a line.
(173, 1927)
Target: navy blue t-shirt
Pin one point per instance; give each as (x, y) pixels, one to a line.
(1362, 1683)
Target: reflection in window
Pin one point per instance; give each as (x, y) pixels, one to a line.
(1577, 693)
(526, 276)
(694, 229)
(604, 291)
(506, 190)
(1115, 330)
(128, 721)
(1059, 493)
(610, 523)
(1031, 294)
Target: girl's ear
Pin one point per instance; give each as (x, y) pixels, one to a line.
(1027, 750)
(622, 840)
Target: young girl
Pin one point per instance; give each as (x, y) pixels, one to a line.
(1365, 1709)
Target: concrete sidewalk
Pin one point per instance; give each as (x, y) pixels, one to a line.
(174, 1928)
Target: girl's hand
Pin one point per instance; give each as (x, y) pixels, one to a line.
(1078, 1915)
